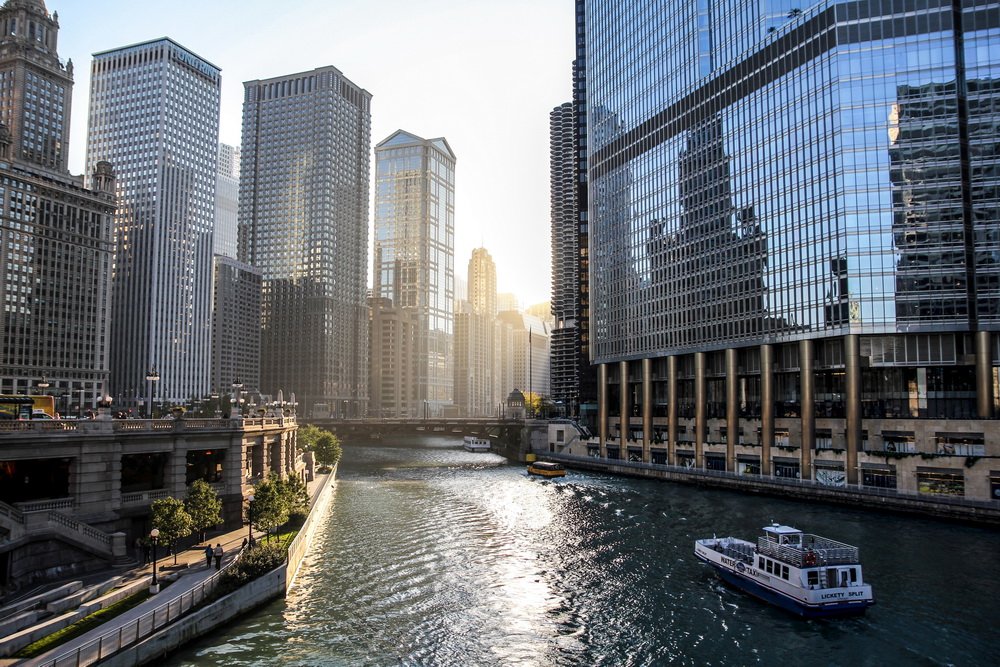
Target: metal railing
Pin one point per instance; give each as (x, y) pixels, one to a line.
(135, 631)
(785, 482)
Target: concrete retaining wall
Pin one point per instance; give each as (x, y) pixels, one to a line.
(203, 621)
(748, 484)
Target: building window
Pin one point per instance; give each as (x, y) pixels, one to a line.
(883, 477)
(941, 482)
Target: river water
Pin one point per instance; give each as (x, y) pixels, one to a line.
(432, 555)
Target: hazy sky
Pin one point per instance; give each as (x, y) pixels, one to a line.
(481, 73)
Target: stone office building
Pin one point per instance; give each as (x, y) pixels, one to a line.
(76, 494)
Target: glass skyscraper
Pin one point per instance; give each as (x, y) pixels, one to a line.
(795, 237)
(303, 223)
(414, 254)
(154, 115)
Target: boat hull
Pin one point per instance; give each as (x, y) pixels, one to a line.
(833, 609)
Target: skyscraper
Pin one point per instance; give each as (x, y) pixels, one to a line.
(235, 326)
(794, 238)
(154, 114)
(414, 252)
(568, 363)
(55, 234)
(304, 223)
(227, 198)
(475, 340)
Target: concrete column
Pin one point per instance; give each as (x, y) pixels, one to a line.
(852, 390)
(732, 408)
(672, 409)
(602, 408)
(625, 408)
(766, 407)
(700, 416)
(807, 391)
(647, 407)
(984, 375)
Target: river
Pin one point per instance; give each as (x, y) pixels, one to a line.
(432, 555)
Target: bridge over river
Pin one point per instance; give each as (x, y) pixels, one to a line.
(510, 437)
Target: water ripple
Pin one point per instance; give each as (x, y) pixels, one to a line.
(435, 556)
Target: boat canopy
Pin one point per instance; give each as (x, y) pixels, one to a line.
(783, 534)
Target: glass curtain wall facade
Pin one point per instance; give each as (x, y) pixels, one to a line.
(794, 209)
(414, 254)
(154, 115)
(303, 223)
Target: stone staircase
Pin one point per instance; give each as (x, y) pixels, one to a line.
(17, 525)
(29, 619)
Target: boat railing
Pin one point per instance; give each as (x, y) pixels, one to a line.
(814, 550)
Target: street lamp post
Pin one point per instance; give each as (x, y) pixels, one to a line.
(250, 519)
(151, 377)
(155, 586)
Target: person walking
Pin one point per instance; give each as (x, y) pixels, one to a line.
(218, 556)
(208, 555)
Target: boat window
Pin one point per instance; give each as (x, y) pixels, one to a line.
(784, 572)
(854, 575)
(760, 563)
(812, 578)
(770, 566)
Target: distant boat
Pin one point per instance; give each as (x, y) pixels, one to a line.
(474, 444)
(546, 469)
(806, 574)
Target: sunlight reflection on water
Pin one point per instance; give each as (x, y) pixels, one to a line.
(437, 556)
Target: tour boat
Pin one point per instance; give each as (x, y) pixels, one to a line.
(546, 469)
(474, 444)
(806, 574)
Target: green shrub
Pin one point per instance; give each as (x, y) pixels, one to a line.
(256, 561)
(296, 518)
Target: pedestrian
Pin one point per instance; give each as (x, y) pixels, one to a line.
(218, 556)
(208, 555)
(139, 551)
(145, 551)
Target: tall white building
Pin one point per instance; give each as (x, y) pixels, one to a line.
(475, 340)
(154, 115)
(227, 200)
(414, 254)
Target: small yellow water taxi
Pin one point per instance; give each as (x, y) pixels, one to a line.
(546, 469)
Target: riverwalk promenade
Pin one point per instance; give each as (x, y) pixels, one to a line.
(190, 572)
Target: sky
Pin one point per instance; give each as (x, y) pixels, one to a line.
(481, 73)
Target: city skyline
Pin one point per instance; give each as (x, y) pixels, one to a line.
(501, 143)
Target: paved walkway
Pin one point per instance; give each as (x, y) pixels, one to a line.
(191, 570)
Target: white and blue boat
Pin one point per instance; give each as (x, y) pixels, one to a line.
(473, 444)
(806, 574)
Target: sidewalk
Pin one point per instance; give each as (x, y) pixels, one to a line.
(190, 571)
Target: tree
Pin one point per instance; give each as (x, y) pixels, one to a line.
(204, 506)
(172, 520)
(270, 508)
(327, 449)
(294, 492)
(307, 436)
